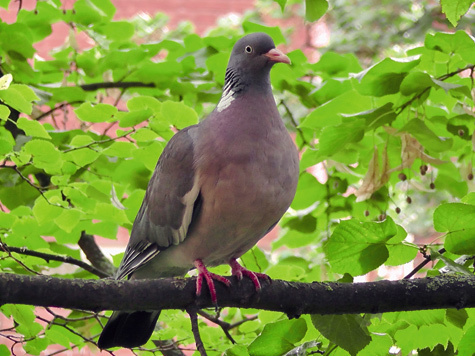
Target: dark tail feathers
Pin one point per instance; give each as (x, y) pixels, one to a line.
(128, 329)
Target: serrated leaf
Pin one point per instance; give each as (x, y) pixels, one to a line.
(455, 9)
(96, 113)
(278, 338)
(329, 114)
(467, 343)
(179, 114)
(457, 220)
(45, 154)
(347, 331)
(136, 117)
(32, 128)
(120, 149)
(359, 247)
(385, 77)
(19, 97)
(335, 138)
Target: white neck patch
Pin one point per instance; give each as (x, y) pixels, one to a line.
(226, 99)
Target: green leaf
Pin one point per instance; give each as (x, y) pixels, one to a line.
(120, 149)
(315, 9)
(426, 136)
(329, 114)
(281, 4)
(455, 9)
(136, 117)
(4, 4)
(120, 31)
(19, 97)
(457, 317)
(16, 41)
(467, 344)
(309, 191)
(68, 219)
(58, 335)
(4, 112)
(347, 331)
(144, 135)
(376, 117)
(96, 113)
(44, 211)
(359, 247)
(335, 138)
(255, 260)
(32, 128)
(275, 32)
(457, 220)
(179, 114)
(24, 315)
(385, 77)
(36, 345)
(278, 338)
(45, 155)
(4, 350)
(416, 82)
(88, 12)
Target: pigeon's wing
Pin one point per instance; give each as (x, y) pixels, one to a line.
(171, 201)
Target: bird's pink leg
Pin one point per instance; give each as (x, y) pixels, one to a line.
(208, 276)
(239, 271)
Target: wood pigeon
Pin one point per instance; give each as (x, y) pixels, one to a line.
(218, 187)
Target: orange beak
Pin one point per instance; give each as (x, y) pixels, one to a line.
(278, 56)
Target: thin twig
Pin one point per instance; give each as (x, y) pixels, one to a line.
(292, 119)
(89, 145)
(59, 107)
(50, 257)
(110, 85)
(225, 326)
(427, 259)
(196, 331)
(401, 108)
(7, 250)
(94, 254)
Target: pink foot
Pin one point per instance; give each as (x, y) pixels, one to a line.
(208, 276)
(239, 271)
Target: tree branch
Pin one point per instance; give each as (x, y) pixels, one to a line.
(292, 298)
(94, 254)
(50, 257)
(109, 85)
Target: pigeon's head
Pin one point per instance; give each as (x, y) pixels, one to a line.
(254, 55)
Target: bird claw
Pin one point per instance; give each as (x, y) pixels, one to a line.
(203, 273)
(239, 271)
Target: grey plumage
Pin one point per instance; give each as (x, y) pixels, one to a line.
(217, 189)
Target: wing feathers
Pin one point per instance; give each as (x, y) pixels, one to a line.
(168, 207)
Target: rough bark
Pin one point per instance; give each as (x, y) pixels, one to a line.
(292, 298)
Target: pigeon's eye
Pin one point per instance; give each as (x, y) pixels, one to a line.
(248, 49)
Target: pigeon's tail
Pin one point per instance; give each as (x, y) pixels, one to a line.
(128, 329)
